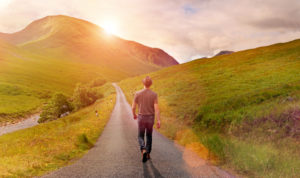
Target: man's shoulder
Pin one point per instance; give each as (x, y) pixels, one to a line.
(145, 91)
(139, 92)
(153, 93)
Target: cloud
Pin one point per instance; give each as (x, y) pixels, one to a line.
(188, 9)
(183, 28)
(275, 23)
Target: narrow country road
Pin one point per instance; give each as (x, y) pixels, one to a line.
(29, 122)
(116, 153)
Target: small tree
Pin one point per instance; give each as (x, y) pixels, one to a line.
(47, 114)
(84, 96)
(97, 82)
(60, 104)
(80, 96)
(56, 106)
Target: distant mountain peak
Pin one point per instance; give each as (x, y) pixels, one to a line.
(224, 52)
(85, 40)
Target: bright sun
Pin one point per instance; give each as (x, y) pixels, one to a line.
(110, 27)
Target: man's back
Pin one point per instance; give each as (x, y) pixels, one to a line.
(145, 99)
(148, 108)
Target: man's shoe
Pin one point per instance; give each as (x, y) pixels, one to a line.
(148, 156)
(144, 156)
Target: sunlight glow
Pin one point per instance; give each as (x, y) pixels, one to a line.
(110, 27)
(4, 3)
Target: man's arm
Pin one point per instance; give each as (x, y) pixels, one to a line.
(157, 113)
(134, 109)
(134, 102)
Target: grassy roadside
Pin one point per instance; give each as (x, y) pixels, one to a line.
(240, 111)
(251, 154)
(49, 146)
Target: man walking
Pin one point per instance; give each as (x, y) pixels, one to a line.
(147, 102)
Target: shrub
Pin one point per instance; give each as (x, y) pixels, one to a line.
(57, 105)
(97, 82)
(83, 142)
(84, 96)
(47, 114)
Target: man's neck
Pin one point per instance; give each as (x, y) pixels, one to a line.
(146, 88)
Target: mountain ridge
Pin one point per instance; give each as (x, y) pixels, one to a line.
(54, 31)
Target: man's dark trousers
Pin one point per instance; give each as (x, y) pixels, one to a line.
(145, 124)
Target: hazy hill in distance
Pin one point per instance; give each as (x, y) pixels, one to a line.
(56, 52)
(244, 107)
(224, 52)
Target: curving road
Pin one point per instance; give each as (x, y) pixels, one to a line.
(116, 153)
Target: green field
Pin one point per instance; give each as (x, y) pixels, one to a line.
(55, 53)
(49, 146)
(27, 81)
(243, 107)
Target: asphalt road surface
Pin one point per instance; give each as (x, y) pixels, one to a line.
(117, 154)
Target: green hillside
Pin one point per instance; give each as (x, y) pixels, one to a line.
(57, 52)
(244, 107)
(52, 145)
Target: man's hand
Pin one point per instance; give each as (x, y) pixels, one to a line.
(158, 124)
(134, 116)
(156, 108)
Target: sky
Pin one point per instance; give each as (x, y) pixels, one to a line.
(186, 29)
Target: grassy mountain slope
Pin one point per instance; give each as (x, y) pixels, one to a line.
(89, 43)
(27, 79)
(244, 107)
(57, 52)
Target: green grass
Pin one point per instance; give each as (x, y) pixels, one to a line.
(211, 100)
(266, 160)
(17, 101)
(39, 60)
(49, 146)
(26, 81)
